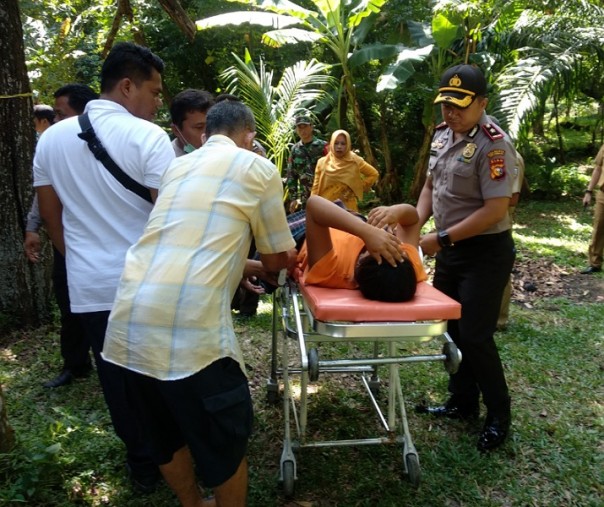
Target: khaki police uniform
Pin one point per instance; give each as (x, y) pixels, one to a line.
(474, 271)
(596, 246)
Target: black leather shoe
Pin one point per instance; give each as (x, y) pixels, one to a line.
(450, 410)
(591, 269)
(62, 380)
(494, 433)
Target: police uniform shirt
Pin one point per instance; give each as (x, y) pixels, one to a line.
(466, 172)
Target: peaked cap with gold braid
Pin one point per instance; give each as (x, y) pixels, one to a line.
(460, 85)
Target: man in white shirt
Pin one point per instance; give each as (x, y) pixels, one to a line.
(93, 219)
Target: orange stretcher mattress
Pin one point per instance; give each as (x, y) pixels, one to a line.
(345, 305)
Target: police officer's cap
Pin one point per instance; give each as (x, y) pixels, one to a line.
(460, 85)
(303, 119)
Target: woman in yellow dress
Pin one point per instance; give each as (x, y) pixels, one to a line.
(342, 174)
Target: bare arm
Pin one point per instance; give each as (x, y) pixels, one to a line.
(322, 214)
(402, 219)
(489, 214)
(51, 211)
(424, 204)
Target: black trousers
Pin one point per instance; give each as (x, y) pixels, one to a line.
(74, 344)
(113, 382)
(475, 272)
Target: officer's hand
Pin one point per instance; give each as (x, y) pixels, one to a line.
(383, 216)
(586, 199)
(31, 245)
(429, 244)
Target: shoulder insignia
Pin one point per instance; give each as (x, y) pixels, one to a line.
(441, 125)
(492, 132)
(473, 132)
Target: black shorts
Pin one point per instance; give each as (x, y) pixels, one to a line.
(210, 412)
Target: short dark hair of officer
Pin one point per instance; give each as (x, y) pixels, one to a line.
(78, 95)
(44, 112)
(461, 85)
(128, 60)
(189, 101)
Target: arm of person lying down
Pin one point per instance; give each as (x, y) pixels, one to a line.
(401, 219)
(322, 214)
(278, 261)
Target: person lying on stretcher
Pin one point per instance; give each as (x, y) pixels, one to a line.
(379, 257)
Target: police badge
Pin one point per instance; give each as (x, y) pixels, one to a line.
(469, 150)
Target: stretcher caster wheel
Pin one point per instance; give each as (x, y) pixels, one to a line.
(452, 357)
(413, 469)
(313, 364)
(272, 397)
(288, 478)
(272, 392)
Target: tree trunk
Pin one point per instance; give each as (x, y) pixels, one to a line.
(358, 119)
(419, 171)
(7, 435)
(180, 17)
(24, 288)
(389, 188)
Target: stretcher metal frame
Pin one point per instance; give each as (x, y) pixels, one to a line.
(300, 332)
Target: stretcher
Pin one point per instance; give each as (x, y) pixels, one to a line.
(304, 317)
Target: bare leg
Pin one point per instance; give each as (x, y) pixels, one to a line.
(180, 476)
(233, 492)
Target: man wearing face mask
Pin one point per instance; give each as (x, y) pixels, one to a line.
(188, 112)
(468, 190)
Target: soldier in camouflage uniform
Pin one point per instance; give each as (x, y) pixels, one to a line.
(302, 161)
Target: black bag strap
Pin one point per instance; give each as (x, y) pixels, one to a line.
(100, 153)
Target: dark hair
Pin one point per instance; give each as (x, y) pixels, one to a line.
(228, 117)
(227, 96)
(188, 101)
(384, 282)
(44, 112)
(129, 60)
(78, 95)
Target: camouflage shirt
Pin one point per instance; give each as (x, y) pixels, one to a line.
(301, 167)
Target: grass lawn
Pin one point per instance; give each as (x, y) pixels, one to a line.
(67, 454)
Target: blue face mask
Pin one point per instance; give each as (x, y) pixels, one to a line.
(187, 146)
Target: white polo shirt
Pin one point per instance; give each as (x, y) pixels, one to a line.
(101, 218)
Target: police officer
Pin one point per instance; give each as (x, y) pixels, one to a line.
(596, 246)
(302, 161)
(468, 191)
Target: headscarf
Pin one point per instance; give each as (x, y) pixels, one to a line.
(345, 169)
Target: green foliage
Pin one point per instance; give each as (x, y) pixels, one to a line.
(553, 181)
(68, 455)
(301, 86)
(29, 474)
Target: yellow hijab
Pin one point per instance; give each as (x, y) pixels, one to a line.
(345, 169)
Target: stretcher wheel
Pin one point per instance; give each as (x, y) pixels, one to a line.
(452, 357)
(313, 364)
(288, 478)
(272, 397)
(413, 469)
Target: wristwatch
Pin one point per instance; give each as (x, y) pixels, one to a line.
(443, 239)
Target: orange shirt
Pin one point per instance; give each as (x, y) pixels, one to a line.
(336, 268)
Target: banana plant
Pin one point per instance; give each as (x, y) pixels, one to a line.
(339, 24)
(301, 87)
